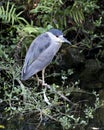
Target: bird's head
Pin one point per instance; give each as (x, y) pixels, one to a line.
(59, 35)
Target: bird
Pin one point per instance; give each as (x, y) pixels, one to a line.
(41, 52)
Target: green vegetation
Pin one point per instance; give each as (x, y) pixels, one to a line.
(64, 100)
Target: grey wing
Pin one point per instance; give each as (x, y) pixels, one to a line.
(41, 62)
(38, 46)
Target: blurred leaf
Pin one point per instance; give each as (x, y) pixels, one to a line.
(9, 15)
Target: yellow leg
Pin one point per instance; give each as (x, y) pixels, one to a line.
(43, 78)
(38, 80)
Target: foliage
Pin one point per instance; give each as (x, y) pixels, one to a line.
(9, 15)
(27, 98)
(82, 25)
(51, 11)
(77, 14)
(55, 10)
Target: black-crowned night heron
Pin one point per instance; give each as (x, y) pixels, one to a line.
(41, 52)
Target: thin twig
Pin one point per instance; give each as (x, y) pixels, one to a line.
(61, 95)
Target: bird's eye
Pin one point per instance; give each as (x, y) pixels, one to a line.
(56, 35)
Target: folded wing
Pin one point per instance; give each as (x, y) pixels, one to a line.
(39, 55)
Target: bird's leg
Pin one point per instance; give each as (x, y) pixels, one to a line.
(43, 78)
(38, 80)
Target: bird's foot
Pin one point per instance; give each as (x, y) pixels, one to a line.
(44, 84)
(41, 82)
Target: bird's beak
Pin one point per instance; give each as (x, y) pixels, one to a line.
(64, 39)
